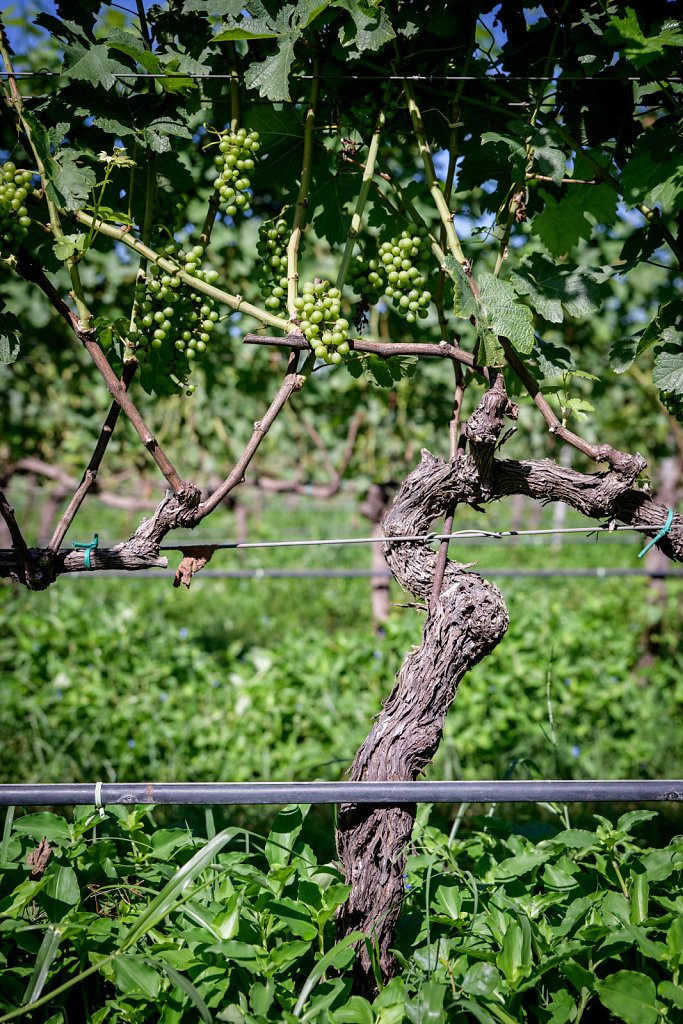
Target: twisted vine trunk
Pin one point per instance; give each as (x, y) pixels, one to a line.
(467, 621)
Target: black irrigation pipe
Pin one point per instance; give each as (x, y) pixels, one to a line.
(390, 793)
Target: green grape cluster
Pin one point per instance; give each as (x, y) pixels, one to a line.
(673, 403)
(234, 161)
(325, 330)
(168, 210)
(15, 188)
(405, 282)
(365, 279)
(272, 250)
(175, 321)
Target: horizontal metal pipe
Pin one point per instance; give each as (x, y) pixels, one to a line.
(584, 791)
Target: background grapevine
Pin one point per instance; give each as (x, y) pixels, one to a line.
(272, 251)
(175, 321)
(234, 162)
(319, 309)
(15, 188)
(405, 281)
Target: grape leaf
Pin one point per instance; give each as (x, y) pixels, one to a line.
(667, 372)
(92, 64)
(246, 28)
(551, 287)
(385, 373)
(281, 137)
(10, 329)
(308, 10)
(68, 184)
(514, 162)
(112, 126)
(577, 407)
(66, 245)
(328, 206)
(550, 160)
(367, 30)
(505, 314)
(217, 8)
(625, 351)
(645, 180)
(627, 36)
(148, 60)
(553, 360)
(464, 302)
(562, 224)
(270, 76)
(157, 133)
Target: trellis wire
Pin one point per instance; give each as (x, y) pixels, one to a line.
(412, 538)
(390, 793)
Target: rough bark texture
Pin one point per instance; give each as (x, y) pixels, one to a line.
(467, 621)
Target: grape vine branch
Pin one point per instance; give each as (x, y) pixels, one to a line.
(153, 230)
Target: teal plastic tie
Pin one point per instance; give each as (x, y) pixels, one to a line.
(662, 533)
(87, 548)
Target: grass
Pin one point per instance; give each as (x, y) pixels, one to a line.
(129, 679)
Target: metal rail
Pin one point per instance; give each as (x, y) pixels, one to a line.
(584, 791)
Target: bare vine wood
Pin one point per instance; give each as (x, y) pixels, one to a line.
(465, 622)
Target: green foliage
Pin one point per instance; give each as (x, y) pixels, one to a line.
(127, 679)
(131, 921)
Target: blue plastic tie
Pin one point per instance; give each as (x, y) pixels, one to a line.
(662, 533)
(87, 548)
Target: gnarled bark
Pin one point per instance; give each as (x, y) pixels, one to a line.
(465, 624)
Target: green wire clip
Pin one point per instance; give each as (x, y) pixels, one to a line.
(87, 548)
(662, 533)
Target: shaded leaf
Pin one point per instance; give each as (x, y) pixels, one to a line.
(674, 993)
(548, 155)
(43, 824)
(135, 977)
(271, 76)
(92, 64)
(10, 329)
(630, 995)
(68, 184)
(561, 225)
(667, 372)
(283, 833)
(549, 287)
(464, 302)
(369, 29)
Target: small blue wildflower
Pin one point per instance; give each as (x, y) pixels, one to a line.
(163, 696)
(215, 683)
(182, 632)
(131, 743)
(59, 694)
(377, 654)
(576, 751)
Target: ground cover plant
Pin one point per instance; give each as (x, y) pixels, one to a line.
(492, 189)
(120, 920)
